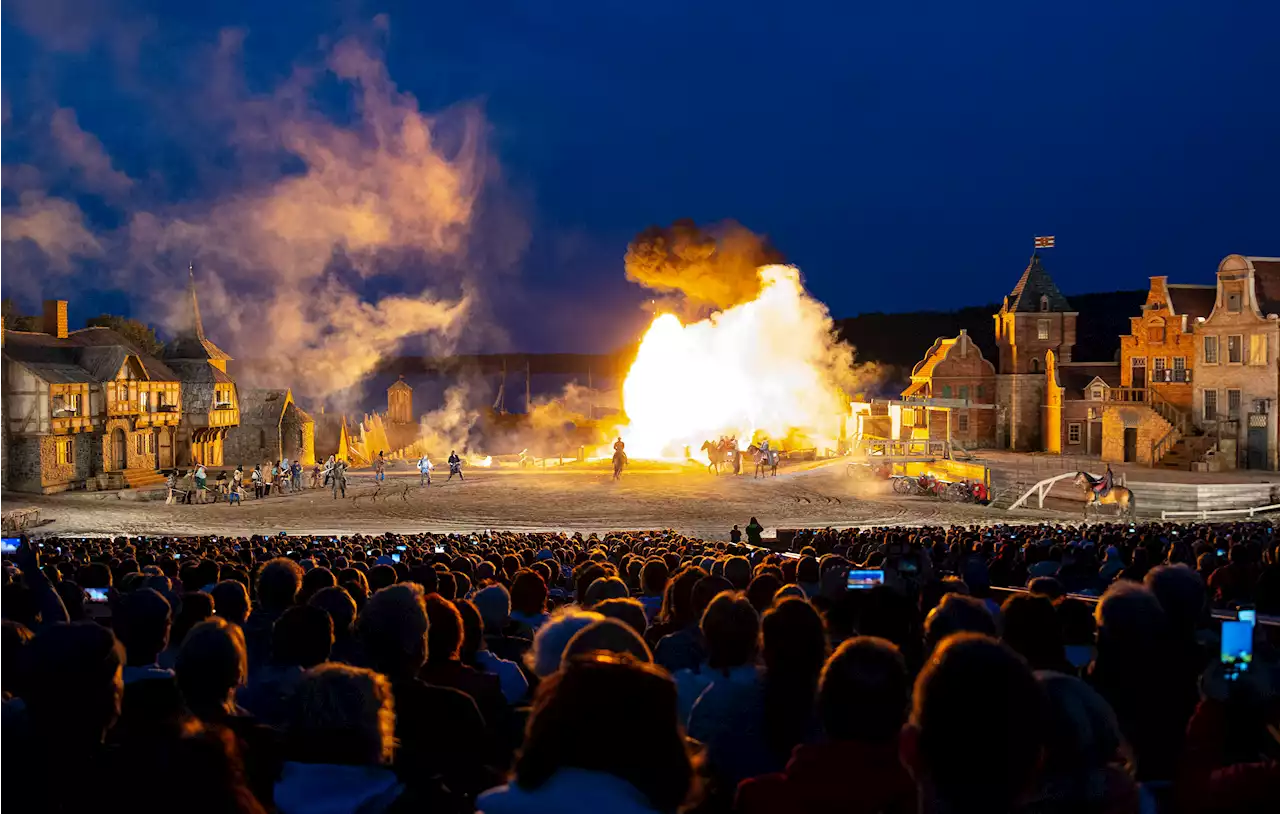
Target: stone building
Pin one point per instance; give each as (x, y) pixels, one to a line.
(955, 369)
(1236, 383)
(210, 405)
(400, 403)
(84, 409)
(272, 426)
(1076, 394)
(1034, 319)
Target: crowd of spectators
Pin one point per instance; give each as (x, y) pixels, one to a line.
(641, 672)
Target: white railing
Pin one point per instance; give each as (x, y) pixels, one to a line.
(1205, 514)
(1042, 488)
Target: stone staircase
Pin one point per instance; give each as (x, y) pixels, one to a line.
(126, 479)
(1188, 450)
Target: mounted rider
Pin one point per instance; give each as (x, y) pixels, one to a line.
(620, 448)
(1103, 487)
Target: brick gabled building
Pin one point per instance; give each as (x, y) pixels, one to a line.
(954, 368)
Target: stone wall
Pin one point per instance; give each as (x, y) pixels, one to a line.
(1018, 337)
(251, 443)
(1023, 399)
(33, 463)
(1150, 425)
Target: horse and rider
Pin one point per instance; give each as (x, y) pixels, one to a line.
(766, 459)
(619, 457)
(1103, 491)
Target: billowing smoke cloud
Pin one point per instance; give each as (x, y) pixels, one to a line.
(321, 246)
(710, 267)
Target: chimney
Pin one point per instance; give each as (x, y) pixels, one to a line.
(55, 318)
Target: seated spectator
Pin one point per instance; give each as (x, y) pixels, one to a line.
(76, 689)
(605, 588)
(210, 666)
(444, 668)
(201, 771)
(152, 702)
(301, 639)
(1135, 670)
(627, 611)
(502, 636)
(685, 648)
(1075, 620)
(193, 608)
(653, 581)
(529, 601)
(607, 636)
(544, 657)
(342, 610)
(1032, 629)
(278, 584)
(475, 652)
(957, 613)
(341, 744)
(676, 612)
(230, 602)
(976, 706)
(639, 764)
(1084, 766)
(393, 631)
(862, 704)
(1182, 596)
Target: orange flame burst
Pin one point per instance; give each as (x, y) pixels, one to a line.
(765, 368)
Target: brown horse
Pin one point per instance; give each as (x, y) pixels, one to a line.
(1121, 497)
(714, 454)
(766, 461)
(619, 461)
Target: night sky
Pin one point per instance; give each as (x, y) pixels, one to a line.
(902, 154)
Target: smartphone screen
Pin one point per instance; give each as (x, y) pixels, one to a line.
(95, 595)
(9, 545)
(402, 548)
(1247, 615)
(1237, 648)
(862, 579)
(439, 548)
(395, 557)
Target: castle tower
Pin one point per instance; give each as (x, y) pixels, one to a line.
(400, 403)
(1034, 320)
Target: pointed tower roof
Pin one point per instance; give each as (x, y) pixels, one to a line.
(1034, 287)
(190, 343)
(400, 384)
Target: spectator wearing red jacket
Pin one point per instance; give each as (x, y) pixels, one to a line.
(862, 702)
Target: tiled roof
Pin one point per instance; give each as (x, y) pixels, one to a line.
(1192, 300)
(98, 353)
(1075, 378)
(1034, 284)
(1266, 283)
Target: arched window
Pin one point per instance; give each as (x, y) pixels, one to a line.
(1035, 365)
(1044, 302)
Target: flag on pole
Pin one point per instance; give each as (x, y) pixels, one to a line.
(1045, 242)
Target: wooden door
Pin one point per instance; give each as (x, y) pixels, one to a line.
(1130, 444)
(119, 450)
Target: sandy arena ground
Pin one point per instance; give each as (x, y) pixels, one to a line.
(648, 496)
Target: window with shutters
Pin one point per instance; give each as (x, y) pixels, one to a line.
(1210, 405)
(1258, 349)
(1073, 433)
(1155, 331)
(1211, 350)
(65, 452)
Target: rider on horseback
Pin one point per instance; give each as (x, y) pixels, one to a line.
(1104, 484)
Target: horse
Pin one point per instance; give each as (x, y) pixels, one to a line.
(1123, 498)
(619, 461)
(765, 460)
(715, 455)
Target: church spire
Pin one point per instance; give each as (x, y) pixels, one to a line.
(196, 324)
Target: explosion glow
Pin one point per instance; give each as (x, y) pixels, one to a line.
(767, 366)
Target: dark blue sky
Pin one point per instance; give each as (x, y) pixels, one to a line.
(902, 154)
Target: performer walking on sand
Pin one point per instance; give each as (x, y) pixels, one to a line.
(455, 466)
(424, 470)
(339, 478)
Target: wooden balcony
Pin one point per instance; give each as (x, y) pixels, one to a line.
(160, 418)
(224, 417)
(70, 423)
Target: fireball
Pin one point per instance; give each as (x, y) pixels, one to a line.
(768, 367)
